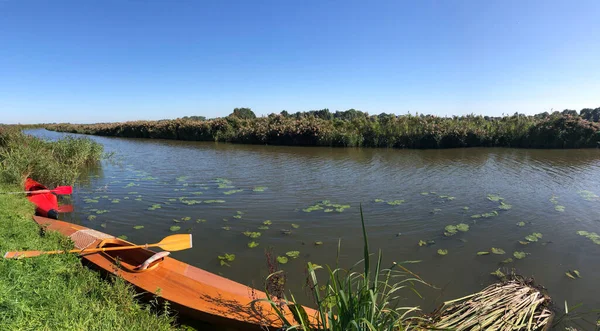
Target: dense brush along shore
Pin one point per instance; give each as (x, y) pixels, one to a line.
(352, 128)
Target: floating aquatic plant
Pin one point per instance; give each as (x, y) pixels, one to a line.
(451, 230)
(326, 203)
(174, 228)
(104, 197)
(509, 260)
(442, 252)
(286, 232)
(259, 188)
(200, 220)
(214, 201)
(232, 191)
(126, 198)
(263, 227)
(187, 218)
(115, 201)
(559, 208)
(494, 197)
(252, 244)
(251, 234)
(91, 217)
(103, 211)
(424, 193)
(534, 237)
(504, 206)
(103, 225)
(138, 199)
(498, 251)
(593, 236)
(182, 178)
(329, 210)
(293, 254)
(465, 208)
(196, 193)
(90, 200)
(573, 274)
(138, 227)
(226, 258)
(462, 227)
(379, 200)
(226, 228)
(295, 226)
(131, 185)
(588, 195)
(124, 237)
(267, 222)
(519, 255)
(155, 206)
(521, 223)
(318, 243)
(237, 216)
(282, 259)
(483, 253)
(172, 200)
(422, 243)
(435, 211)
(395, 202)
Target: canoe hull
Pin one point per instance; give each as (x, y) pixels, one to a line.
(195, 293)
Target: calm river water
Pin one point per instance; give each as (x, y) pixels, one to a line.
(252, 184)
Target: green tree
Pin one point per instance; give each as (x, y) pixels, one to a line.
(245, 113)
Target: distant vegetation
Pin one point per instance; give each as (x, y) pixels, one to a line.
(353, 128)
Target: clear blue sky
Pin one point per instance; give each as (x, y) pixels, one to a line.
(92, 61)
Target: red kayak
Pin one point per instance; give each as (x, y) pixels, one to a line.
(46, 204)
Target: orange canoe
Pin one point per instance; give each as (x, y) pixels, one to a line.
(193, 292)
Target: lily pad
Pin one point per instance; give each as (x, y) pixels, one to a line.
(226, 228)
(498, 251)
(422, 243)
(295, 226)
(91, 217)
(465, 208)
(521, 224)
(174, 228)
(509, 260)
(138, 227)
(233, 191)
(187, 218)
(90, 200)
(267, 222)
(214, 201)
(450, 230)
(593, 236)
(559, 208)
(293, 254)
(200, 220)
(576, 273)
(379, 200)
(263, 227)
(197, 193)
(155, 206)
(286, 232)
(504, 206)
(499, 274)
(103, 225)
(237, 216)
(588, 195)
(424, 193)
(259, 188)
(226, 258)
(462, 227)
(252, 244)
(494, 197)
(318, 243)
(519, 255)
(483, 253)
(282, 259)
(395, 202)
(531, 238)
(442, 252)
(124, 237)
(251, 234)
(99, 212)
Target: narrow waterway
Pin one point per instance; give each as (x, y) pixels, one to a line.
(223, 193)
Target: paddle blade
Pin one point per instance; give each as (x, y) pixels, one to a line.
(18, 255)
(65, 209)
(63, 190)
(176, 242)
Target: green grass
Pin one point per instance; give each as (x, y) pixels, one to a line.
(57, 292)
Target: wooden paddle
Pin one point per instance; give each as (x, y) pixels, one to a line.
(60, 190)
(176, 242)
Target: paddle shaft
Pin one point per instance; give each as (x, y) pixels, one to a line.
(103, 249)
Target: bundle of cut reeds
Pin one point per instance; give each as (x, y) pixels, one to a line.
(513, 305)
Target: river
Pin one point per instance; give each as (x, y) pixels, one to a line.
(225, 190)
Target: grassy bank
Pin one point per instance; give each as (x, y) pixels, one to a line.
(55, 292)
(352, 128)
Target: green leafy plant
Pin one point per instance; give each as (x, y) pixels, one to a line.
(349, 299)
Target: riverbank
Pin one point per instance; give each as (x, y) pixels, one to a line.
(356, 129)
(56, 292)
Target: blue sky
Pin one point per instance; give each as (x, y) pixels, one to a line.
(99, 61)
